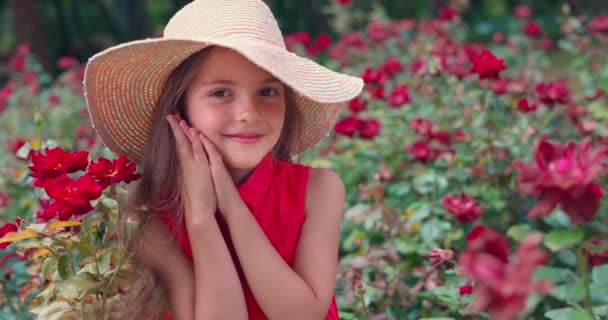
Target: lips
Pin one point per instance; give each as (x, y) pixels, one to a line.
(246, 137)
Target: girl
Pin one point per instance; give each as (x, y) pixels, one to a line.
(212, 113)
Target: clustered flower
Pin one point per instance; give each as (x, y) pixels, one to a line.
(502, 284)
(564, 175)
(71, 197)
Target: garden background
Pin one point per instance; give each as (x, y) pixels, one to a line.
(474, 160)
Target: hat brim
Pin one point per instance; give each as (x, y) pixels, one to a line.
(123, 83)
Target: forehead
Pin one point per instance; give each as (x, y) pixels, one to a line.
(228, 64)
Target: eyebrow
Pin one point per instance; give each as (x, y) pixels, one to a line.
(231, 82)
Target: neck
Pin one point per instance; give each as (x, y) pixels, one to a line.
(239, 175)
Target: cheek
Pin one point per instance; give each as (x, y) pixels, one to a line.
(277, 117)
(208, 122)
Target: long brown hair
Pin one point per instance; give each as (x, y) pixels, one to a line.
(158, 189)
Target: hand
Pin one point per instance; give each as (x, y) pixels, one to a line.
(228, 197)
(198, 192)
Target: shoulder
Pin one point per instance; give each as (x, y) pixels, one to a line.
(324, 185)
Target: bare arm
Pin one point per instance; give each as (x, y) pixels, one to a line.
(219, 294)
(304, 292)
(167, 259)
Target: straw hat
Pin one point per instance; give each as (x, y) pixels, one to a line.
(123, 83)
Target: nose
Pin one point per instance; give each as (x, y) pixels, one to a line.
(247, 110)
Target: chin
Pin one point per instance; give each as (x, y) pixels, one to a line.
(244, 157)
(242, 164)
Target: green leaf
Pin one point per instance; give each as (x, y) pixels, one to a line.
(558, 218)
(399, 189)
(64, 266)
(425, 183)
(567, 257)
(518, 232)
(599, 293)
(421, 211)
(77, 285)
(110, 205)
(48, 267)
(600, 274)
(24, 150)
(568, 314)
(600, 311)
(570, 291)
(567, 45)
(104, 262)
(347, 315)
(405, 246)
(556, 275)
(563, 238)
(433, 229)
(84, 247)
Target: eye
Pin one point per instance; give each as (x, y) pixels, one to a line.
(219, 93)
(269, 91)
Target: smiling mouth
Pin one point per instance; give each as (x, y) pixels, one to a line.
(245, 139)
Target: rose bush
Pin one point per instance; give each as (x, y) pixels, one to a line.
(475, 175)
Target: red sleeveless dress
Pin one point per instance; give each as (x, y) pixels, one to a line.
(275, 193)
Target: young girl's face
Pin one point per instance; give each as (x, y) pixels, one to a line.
(232, 96)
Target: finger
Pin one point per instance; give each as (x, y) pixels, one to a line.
(215, 158)
(183, 144)
(198, 150)
(186, 128)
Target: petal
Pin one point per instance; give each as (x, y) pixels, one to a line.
(583, 208)
(547, 202)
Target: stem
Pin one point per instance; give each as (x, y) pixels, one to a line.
(362, 300)
(117, 225)
(68, 251)
(583, 266)
(103, 293)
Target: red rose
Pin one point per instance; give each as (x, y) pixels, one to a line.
(524, 106)
(107, 172)
(463, 207)
(465, 290)
(421, 151)
(551, 93)
(487, 65)
(55, 162)
(67, 62)
(368, 129)
(372, 76)
(392, 66)
(502, 285)
(532, 29)
(523, 12)
(347, 126)
(599, 24)
(357, 104)
(564, 174)
(422, 126)
(398, 96)
(447, 13)
(72, 197)
(5, 229)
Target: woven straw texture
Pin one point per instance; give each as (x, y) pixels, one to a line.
(123, 83)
